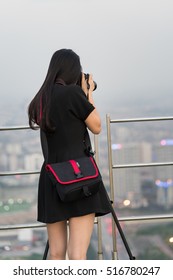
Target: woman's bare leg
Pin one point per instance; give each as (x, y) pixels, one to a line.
(80, 231)
(57, 236)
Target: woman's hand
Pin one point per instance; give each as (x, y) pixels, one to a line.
(87, 86)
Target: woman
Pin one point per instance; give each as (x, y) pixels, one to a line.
(64, 111)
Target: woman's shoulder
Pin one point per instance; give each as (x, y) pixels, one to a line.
(74, 89)
(68, 93)
(67, 88)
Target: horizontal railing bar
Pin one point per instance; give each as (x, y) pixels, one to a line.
(18, 173)
(22, 226)
(141, 119)
(141, 165)
(25, 226)
(6, 128)
(117, 166)
(121, 219)
(111, 121)
(14, 127)
(146, 218)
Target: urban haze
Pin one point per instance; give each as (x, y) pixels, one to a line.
(127, 46)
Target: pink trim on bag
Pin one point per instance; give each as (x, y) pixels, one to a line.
(49, 168)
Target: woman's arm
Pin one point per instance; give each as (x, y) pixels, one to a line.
(93, 122)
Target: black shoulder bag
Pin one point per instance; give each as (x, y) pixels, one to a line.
(76, 178)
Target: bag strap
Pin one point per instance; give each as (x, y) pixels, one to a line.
(87, 147)
(44, 145)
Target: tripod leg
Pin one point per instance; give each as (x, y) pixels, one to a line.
(46, 250)
(122, 234)
(119, 228)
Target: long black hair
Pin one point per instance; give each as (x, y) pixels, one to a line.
(64, 65)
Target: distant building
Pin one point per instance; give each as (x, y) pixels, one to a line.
(163, 152)
(139, 184)
(128, 180)
(33, 162)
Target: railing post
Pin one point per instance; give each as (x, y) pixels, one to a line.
(99, 229)
(109, 143)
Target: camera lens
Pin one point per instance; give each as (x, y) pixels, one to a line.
(95, 85)
(87, 79)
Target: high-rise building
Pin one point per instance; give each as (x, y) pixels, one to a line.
(127, 181)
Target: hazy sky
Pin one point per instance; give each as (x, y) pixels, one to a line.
(126, 44)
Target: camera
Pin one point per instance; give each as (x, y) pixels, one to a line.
(87, 79)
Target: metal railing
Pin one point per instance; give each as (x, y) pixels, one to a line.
(112, 167)
(109, 121)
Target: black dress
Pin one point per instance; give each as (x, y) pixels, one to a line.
(69, 109)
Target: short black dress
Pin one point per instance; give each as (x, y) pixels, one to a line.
(68, 110)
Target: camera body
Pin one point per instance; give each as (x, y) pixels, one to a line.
(87, 79)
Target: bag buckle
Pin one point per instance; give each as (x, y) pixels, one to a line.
(78, 175)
